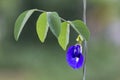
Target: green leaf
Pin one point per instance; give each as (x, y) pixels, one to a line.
(42, 26)
(54, 23)
(63, 39)
(80, 28)
(20, 22)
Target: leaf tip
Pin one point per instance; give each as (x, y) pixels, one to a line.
(63, 47)
(61, 44)
(15, 37)
(42, 41)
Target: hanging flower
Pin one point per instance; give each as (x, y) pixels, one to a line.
(75, 57)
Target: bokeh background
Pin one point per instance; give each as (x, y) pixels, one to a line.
(29, 59)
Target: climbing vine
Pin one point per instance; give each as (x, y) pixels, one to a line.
(76, 54)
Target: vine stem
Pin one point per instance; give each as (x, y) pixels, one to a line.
(85, 54)
(85, 43)
(84, 10)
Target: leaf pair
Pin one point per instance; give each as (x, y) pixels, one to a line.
(78, 26)
(46, 20)
(60, 29)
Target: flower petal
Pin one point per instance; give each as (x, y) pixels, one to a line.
(74, 57)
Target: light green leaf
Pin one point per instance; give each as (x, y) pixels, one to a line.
(63, 38)
(42, 26)
(54, 23)
(20, 22)
(80, 28)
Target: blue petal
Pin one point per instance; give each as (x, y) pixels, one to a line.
(74, 57)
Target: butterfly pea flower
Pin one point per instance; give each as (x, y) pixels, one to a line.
(74, 56)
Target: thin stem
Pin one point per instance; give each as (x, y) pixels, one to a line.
(63, 19)
(84, 11)
(46, 11)
(85, 43)
(85, 53)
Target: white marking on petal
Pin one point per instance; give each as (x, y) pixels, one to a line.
(77, 59)
(80, 48)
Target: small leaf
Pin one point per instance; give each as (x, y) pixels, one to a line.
(42, 26)
(20, 22)
(63, 38)
(54, 23)
(80, 28)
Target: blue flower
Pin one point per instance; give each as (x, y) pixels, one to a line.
(75, 57)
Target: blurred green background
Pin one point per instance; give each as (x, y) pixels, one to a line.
(29, 59)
